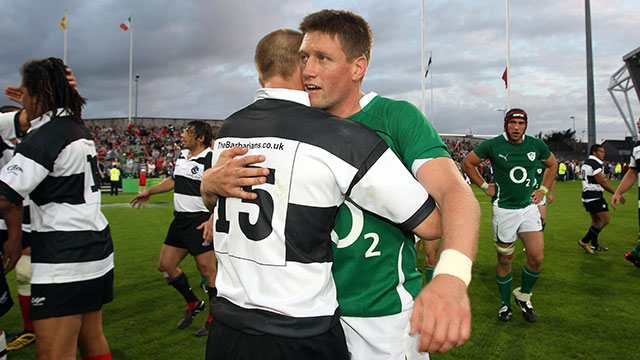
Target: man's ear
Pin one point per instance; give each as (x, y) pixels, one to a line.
(359, 68)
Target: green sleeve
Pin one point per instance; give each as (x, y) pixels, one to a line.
(545, 153)
(416, 138)
(483, 150)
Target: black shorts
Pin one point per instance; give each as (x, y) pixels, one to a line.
(183, 234)
(81, 297)
(5, 296)
(227, 343)
(596, 206)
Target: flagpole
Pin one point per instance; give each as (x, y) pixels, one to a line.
(508, 62)
(64, 49)
(422, 58)
(130, 64)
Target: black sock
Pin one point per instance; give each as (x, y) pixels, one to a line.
(594, 239)
(181, 283)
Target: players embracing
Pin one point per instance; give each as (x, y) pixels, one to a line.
(515, 158)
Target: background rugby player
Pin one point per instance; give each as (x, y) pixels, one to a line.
(514, 157)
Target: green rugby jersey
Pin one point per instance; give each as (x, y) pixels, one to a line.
(374, 261)
(515, 167)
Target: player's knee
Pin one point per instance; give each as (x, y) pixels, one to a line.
(535, 261)
(206, 269)
(505, 251)
(165, 268)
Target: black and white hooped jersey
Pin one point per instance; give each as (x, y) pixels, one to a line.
(591, 189)
(187, 177)
(274, 253)
(8, 123)
(56, 165)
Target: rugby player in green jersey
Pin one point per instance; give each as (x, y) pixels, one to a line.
(374, 265)
(515, 157)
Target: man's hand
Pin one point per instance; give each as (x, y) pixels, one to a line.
(14, 94)
(229, 175)
(140, 199)
(72, 79)
(11, 252)
(207, 230)
(550, 197)
(617, 198)
(442, 314)
(491, 190)
(536, 197)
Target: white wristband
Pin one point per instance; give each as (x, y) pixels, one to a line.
(453, 262)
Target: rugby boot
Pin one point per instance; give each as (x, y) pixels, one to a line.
(632, 259)
(586, 247)
(204, 330)
(505, 313)
(187, 319)
(599, 248)
(21, 340)
(524, 302)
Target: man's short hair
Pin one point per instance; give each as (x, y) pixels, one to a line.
(352, 31)
(594, 148)
(201, 128)
(278, 54)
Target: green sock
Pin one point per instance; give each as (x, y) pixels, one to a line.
(529, 278)
(429, 274)
(636, 250)
(544, 224)
(504, 286)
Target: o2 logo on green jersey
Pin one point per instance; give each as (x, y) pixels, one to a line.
(522, 172)
(518, 175)
(357, 225)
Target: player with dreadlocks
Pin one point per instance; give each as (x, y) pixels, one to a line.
(72, 255)
(515, 158)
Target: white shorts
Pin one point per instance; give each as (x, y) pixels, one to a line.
(508, 223)
(382, 338)
(543, 202)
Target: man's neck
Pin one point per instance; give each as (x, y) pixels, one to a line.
(349, 106)
(279, 82)
(196, 151)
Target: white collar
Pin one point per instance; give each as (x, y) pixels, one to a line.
(365, 100)
(596, 159)
(297, 96)
(45, 118)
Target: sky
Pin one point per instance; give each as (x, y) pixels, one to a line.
(195, 58)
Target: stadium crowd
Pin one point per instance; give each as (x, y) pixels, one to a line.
(138, 147)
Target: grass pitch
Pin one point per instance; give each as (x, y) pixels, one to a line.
(587, 305)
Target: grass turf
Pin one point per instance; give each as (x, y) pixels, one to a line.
(586, 304)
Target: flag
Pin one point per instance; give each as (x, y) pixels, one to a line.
(428, 67)
(124, 26)
(504, 77)
(63, 23)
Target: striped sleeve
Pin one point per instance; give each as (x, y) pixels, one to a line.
(387, 189)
